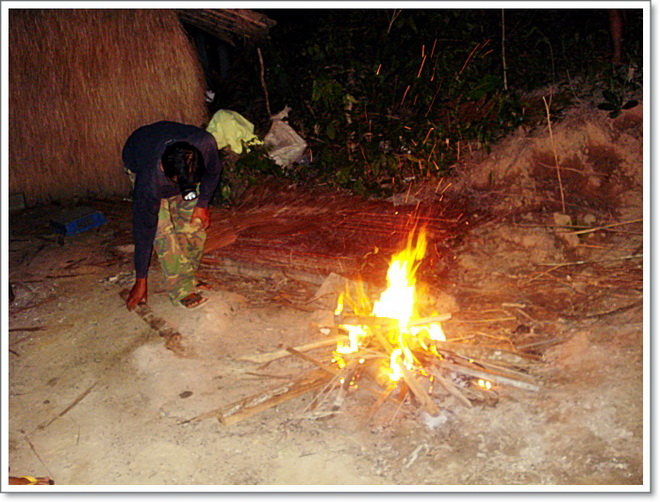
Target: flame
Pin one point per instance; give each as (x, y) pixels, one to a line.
(355, 336)
(395, 368)
(398, 301)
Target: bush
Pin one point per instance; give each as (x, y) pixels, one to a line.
(387, 97)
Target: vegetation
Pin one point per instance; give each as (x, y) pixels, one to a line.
(387, 97)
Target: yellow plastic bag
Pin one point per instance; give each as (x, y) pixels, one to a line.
(230, 128)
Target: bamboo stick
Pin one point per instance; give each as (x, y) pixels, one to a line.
(278, 354)
(452, 389)
(379, 402)
(423, 321)
(480, 321)
(365, 320)
(245, 408)
(255, 403)
(314, 361)
(487, 354)
(419, 392)
(489, 376)
(494, 368)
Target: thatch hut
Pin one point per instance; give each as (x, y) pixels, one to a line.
(80, 81)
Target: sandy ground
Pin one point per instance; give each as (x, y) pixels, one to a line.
(96, 399)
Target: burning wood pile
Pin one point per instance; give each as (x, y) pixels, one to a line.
(394, 349)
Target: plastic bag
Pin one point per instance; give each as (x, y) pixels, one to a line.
(284, 144)
(230, 128)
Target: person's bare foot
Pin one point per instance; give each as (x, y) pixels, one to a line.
(192, 301)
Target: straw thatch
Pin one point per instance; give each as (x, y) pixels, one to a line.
(299, 229)
(229, 25)
(80, 82)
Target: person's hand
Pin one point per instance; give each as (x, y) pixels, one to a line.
(138, 294)
(203, 214)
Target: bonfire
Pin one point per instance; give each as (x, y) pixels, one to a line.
(393, 349)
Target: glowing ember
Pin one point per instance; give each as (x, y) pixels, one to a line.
(397, 302)
(484, 384)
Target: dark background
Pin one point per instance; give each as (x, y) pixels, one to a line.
(362, 94)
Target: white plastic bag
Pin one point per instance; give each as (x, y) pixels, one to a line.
(284, 144)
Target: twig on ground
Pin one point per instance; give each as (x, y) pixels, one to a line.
(68, 408)
(595, 229)
(278, 354)
(34, 450)
(554, 151)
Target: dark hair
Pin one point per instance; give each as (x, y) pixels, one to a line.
(184, 164)
(182, 160)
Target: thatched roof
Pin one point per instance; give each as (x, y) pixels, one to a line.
(229, 25)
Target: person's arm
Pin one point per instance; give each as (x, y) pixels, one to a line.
(210, 180)
(145, 224)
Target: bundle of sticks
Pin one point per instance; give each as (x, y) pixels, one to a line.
(470, 373)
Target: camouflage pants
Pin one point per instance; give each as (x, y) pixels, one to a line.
(179, 245)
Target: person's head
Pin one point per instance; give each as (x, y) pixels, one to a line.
(184, 165)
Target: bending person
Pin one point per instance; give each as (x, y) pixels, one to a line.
(175, 168)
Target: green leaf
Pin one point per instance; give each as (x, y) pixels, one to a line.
(630, 104)
(607, 106)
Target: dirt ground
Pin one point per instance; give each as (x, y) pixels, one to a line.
(96, 399)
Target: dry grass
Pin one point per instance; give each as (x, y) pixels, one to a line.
(80, 82)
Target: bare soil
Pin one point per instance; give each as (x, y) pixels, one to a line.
(96, 399)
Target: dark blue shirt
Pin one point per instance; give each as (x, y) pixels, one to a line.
(142, 155)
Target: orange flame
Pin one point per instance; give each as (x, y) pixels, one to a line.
(399, 301)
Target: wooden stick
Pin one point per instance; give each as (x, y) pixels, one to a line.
(245, 408)
(357, 320)
(36, 328)
(263, 81)
(365, 320)
(487, 355)
(323, 394)
(68, 408)
(589, 230)
(377, 405)
(278, 354)
(452, 389)
(554, 151)
(589, 262)
(494, 368)
(543, 342)
(173, 339)
(251, 405)
(429, 320)
(488, 376)
(478, 321)
(419, 392)
(314, 361)
(268, 375)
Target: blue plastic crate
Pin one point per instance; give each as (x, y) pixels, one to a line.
(79, 219)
